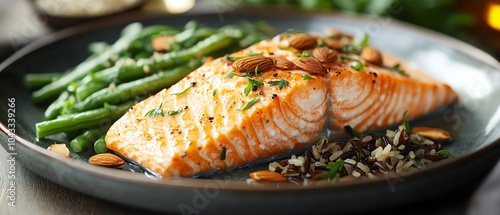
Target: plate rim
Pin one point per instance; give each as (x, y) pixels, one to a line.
(132, 177)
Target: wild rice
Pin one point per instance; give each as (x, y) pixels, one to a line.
(365, 157)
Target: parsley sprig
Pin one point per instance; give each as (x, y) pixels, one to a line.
(174, 112)
(250, 104)
(280, 83)
(334, 169)
(181, 92)
(157, 111)
(252, 85)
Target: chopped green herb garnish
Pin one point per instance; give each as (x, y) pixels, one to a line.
(352, 132)
(323, 139)
(231, 74)
(181, 92)
(223, 153)
(253, 54)
(307, 78)
(304, 54)
(364, 42)
(350, 49)
(358, 156)
(343, 58)
(397, 68)
(406, 122)
(247, 89)
(444, 153)
(256, 70)
(357, 46)
(334, 169)
(377, 134)
(250, 104)
(257, 83)
(281, 83)
(232, 59)
(252, 84)
(174, 112)
(252, 74)
(418, 163)
(357, 65)
(344, 39)
(214, 92)
(155, 111)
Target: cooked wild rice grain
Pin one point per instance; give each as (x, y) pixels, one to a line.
(367, 157)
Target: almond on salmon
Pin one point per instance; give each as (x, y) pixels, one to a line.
(269, 111)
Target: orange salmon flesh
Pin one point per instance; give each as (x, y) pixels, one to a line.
(210, 130)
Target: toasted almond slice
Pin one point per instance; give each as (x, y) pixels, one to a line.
(265, 175)
(311, 65)
(60, 149)
(324, 54)
(435, 134)
(302, 41)
(334, 44)
(282, 63)
(106, 160)
(252, 63)
(372, 55)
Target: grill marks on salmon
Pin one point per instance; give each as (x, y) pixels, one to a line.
(283, 120)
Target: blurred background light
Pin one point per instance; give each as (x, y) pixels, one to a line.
(178, 6)
(493, 15)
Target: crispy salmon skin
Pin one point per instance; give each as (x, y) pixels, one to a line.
(270, 99)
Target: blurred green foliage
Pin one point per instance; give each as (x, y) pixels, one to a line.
(438, 15)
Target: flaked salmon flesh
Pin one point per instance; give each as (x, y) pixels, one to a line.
(207, 128)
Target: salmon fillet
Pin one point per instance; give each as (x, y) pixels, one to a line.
(211, 125)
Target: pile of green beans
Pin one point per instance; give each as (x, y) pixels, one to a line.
(87, 99)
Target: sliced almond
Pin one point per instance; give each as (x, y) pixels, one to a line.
(282, 63)
(371, 55)
(252, 63)
(333, 32)
(324, 54)
(334, 44)
(266, 175)
(162, 43)
(435, 134)
(311, 65)
(302, 41)
(106, 160)
(60, 149)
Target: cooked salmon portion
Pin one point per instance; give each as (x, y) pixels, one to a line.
(271, 99)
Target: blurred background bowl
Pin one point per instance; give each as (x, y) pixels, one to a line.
(59, 14)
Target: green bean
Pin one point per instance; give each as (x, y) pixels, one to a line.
(198, 35)
(83, 120)
(83, 141)
(143, 67)
(100, 145)
(133, 32)
(37, 80)
(147, 85)
(93, 82)
(97, 48)
(56, 107)
(87, 89)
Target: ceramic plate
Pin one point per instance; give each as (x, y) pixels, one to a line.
(474, 123)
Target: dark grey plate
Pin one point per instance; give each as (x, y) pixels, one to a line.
(474, 123)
